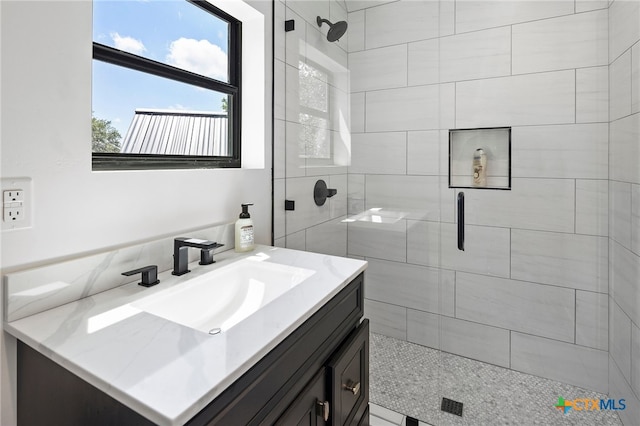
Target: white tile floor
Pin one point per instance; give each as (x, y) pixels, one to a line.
(411, 379)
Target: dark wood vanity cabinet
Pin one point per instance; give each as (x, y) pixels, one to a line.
(318, 375)
(339, 393)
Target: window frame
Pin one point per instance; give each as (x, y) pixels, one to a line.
(119, 161)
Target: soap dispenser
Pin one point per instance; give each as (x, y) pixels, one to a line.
(244, 231)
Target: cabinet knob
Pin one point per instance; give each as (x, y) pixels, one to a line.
(322, 409)
(353, 388)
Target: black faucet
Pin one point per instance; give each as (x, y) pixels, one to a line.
(180, 250)
(149, 275)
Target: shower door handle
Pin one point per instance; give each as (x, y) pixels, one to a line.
(461, 221)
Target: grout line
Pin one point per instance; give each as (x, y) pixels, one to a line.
(455, 294)
(575, 206)
(511, 51)
(575, 96)
(510, 345)
(575, 316)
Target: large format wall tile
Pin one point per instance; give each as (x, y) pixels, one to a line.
(424, 151)
(620, 389)
(620, 338)
(308, 10)
(566, 260)
(381, 68)
(592, 320)
(338, 203)
(390, 320)
(468, 339)
(486, 249)
(328, 238)
(562, 151)
(624, 26)
(416, 197)
(572, 41)
(279, 149)
(542, 98)
(411, 108)
(355, 194)
(319, 49)
(635, 78)
(635, 358)
(586, 5)
(307, 213)
(338, 12)
(385, 240)
(381, 153)
(624, 267)
(279, 92)
(539, 204)
(357, 112)
(296, 240)
(356, 31)
(423, 242)
(624, 149)
(278, 208)
(620, 214)
(592, 95)
(620, 86)
(592, 207)
(475, 15)
(295, 41)
(576, 365)
(516, 305)
(635, 218)
(480, 54)
(417, 287)
(401, 22)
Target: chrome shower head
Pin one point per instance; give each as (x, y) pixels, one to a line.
(336, 30)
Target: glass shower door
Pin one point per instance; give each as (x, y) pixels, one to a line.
(313, 133)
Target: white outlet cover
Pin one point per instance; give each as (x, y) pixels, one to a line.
(24, 184)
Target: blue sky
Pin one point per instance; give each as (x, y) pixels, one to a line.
(174, 32)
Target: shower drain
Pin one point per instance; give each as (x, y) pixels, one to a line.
(451, 406)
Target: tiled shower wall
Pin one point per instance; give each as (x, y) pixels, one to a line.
(530, 291)
(624, 205)
(310, 227)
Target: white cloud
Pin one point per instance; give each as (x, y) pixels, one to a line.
(128, 44)
(201, 57)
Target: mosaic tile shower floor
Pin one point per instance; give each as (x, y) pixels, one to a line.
(411, 379)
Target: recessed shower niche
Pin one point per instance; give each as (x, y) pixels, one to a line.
(480, 158)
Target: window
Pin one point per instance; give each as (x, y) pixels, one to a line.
(166, 85)
(315, 138)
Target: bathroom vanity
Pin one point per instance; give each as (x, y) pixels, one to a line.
(302, 358)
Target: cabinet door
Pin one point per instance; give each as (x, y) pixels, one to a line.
(348, 372)
(310, 407)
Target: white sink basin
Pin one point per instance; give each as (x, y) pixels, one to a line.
(220, 299)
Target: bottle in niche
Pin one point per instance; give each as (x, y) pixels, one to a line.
(244, 230)
(479, 168)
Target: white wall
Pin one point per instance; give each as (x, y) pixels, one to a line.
(45, 134)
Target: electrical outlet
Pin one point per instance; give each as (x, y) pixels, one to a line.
(13, 196)
(13, 214)
(17, 201)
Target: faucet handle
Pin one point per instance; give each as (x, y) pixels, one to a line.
(206, 255)
(149, 275)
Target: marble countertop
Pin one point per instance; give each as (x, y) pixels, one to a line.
(165, 371)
